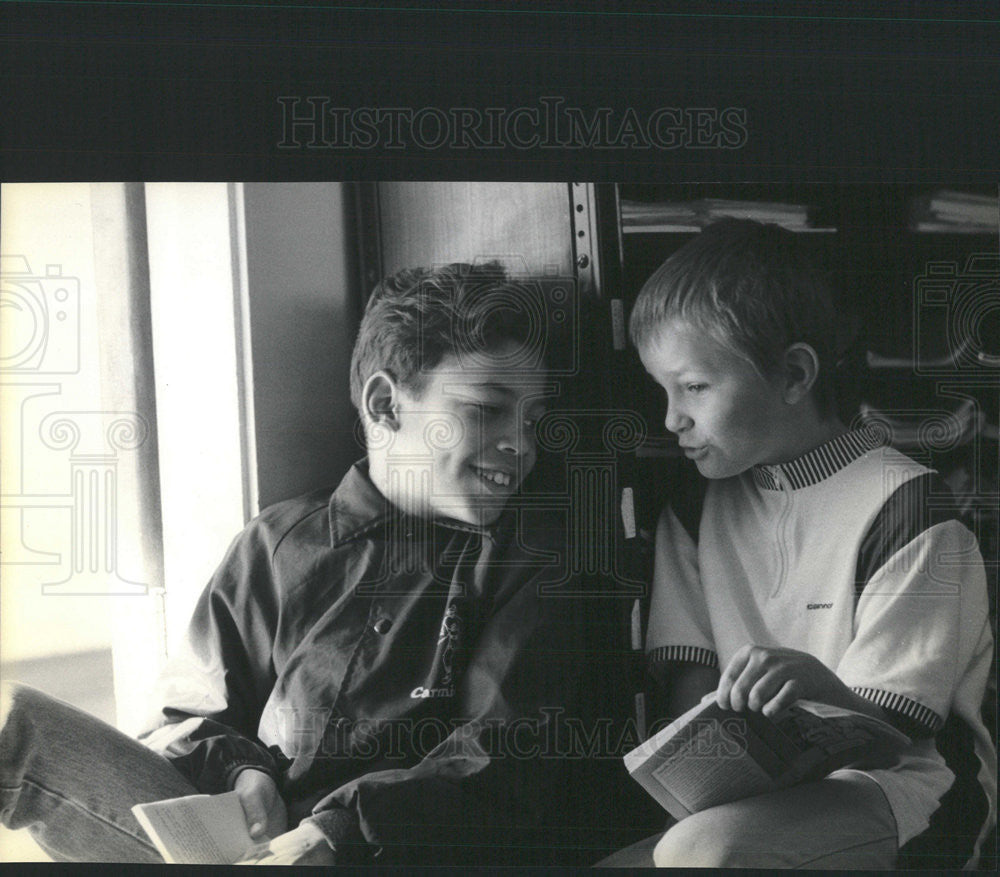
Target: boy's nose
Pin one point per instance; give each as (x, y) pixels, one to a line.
(517, 441)
(507, 446)
(676, 420)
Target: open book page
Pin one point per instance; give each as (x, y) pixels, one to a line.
(199, 829)
(710, 756)
(649, 747)
(829, 737)
(702, 759)
(706, 763)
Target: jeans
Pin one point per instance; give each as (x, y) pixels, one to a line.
(71, 779)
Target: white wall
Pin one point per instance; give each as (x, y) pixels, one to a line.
(47, 231)
(195, 292)
(251, 303)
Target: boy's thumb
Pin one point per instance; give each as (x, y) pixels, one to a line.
(254, 809)
(257, 820)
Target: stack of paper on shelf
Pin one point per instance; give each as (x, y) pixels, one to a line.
(693, 215)
(956, 212)
(790, 216)
(666, 213)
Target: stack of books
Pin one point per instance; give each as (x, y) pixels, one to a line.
(676, 215)
(956, 213)
(794, 217)
(640, 216)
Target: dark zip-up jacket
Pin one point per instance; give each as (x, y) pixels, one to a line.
(403, 679)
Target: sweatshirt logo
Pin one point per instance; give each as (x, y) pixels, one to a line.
(445, 656)
(819, 605)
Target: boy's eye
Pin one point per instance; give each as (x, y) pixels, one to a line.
(696, 388)
(534, 414)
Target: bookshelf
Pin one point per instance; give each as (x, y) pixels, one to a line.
(917, 267)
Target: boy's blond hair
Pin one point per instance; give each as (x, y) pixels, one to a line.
(749, 286)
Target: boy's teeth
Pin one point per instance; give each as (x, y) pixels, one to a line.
(496, 477)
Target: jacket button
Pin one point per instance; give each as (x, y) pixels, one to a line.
(382, 626)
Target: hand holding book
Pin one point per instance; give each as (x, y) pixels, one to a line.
(262, 802)
(199, 830)
(304, 845)
(769, 679)
(213, 830)
(711, 755)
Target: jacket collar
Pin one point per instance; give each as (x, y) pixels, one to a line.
(819, 463)
(358, 507)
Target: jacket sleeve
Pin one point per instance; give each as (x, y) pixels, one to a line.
(481, 794)
(207, 701)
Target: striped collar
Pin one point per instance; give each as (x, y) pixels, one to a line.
(819, 463)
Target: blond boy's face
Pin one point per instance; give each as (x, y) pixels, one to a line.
(725, 415)
(465, 441)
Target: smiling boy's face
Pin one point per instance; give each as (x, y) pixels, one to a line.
(464, 442)
(725, 415)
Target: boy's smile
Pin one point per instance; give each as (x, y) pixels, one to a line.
(726, 416)
(465, 441)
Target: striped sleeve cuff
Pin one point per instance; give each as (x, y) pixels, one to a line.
(689, 654)
(912, 718)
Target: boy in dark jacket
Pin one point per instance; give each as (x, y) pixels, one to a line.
(373, 669)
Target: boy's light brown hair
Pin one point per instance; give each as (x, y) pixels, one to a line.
(419, 316)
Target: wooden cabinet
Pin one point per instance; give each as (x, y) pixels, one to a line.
(527, 226)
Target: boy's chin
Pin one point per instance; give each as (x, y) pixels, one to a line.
(711, 469)
(478, 512)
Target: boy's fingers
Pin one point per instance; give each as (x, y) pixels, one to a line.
(754, 668)
(257, 823)
(729, 676)
(261, 855)
(262, 804)
(764, 689)
(786, 696)
(741, 689)
(256, 813)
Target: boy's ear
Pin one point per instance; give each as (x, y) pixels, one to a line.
(379, 400)
(801, 372)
